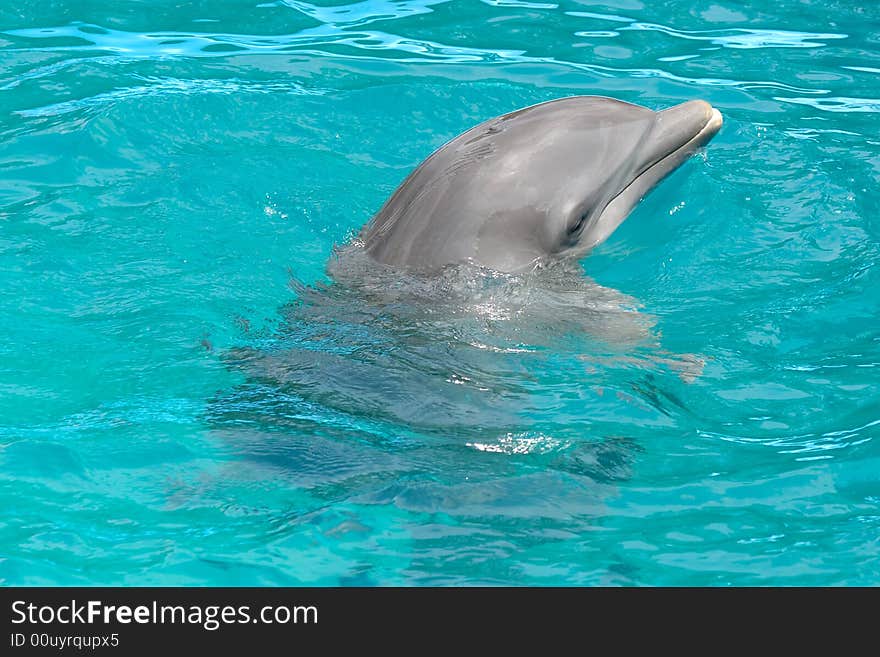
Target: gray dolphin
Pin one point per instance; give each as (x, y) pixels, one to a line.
(548, 181)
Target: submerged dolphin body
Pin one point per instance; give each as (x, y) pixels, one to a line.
(545, 182)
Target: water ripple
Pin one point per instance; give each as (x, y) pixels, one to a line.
(176, 408)
(837, 103)
(804, 443)
(359, 13)
(743, 38)
(169, 86)
(193, 44)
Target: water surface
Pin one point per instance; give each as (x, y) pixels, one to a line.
(188, 395)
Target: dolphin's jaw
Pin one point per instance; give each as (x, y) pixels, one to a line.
(651, 175)
(617, 209)
(715, 122)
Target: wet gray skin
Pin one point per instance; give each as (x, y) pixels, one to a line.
(545, 182)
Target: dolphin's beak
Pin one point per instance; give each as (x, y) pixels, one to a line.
(681, 129)
(677, 132)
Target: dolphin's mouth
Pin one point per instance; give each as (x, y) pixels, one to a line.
(672, 158)
(678, 133)
(665, 162)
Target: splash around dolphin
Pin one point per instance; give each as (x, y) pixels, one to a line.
(539, 184)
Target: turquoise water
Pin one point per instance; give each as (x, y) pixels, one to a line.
(188, 397)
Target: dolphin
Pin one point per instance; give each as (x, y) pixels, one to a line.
(542, 183)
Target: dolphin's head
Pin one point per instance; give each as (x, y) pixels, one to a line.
(639, 148)
(545, 182)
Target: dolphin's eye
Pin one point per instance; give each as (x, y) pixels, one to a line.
(577, 225)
